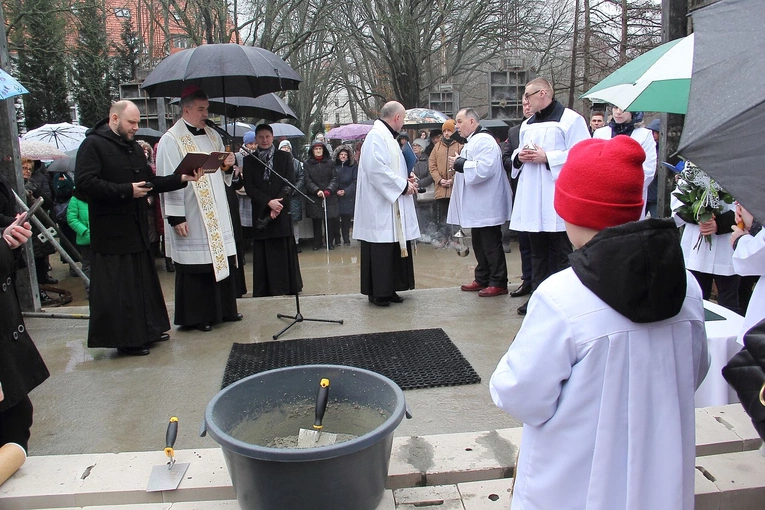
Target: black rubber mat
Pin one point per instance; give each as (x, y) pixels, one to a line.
(419, 358)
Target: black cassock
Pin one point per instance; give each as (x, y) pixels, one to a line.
(383, 269)
(199, 298)
(127, 307)
(275, 266)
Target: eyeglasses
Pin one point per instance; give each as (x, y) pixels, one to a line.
(526, 96)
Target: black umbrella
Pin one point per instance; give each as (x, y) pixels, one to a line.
(725, 125)
(148, 134)
(268, 106)
(221, 70)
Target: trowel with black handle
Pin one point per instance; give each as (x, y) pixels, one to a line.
(167, 477)
(308, 438)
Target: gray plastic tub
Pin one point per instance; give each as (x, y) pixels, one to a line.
(344, 475)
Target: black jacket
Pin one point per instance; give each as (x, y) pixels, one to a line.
(261, 192)
(321, 175)
(105, 169)
(21, 366)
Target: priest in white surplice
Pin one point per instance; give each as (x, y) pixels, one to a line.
(200, 237)
(385, 220)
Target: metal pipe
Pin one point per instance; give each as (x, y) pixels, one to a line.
(36, 222)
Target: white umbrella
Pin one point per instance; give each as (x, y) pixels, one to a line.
(64, 136)
(238, 129)
(34, 149)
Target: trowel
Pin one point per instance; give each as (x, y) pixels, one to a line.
(312, 438)
(167, 477)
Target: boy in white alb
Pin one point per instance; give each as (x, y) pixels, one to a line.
(604, 369)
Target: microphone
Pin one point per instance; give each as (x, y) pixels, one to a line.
(219, 130)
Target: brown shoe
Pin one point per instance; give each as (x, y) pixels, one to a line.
(493, 291)
(472, 287)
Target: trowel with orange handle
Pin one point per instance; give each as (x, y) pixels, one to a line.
(167, 477)
(312, 438)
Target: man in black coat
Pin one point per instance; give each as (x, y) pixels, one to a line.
(275, 268)
(21, 367)
(127, 307)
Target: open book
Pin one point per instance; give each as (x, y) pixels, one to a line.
(193, 160)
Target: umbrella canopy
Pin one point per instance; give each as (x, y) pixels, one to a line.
(221, 70)
(148, 134)
(656, 81)
(9, 87)
(64, 136)
(725, 125)
(268, 106)
(282, 130)
(64, 164)
(349, 132)
(424, 118)
(34, 149)
(238, 129)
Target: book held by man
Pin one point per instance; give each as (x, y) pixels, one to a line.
(209, 162)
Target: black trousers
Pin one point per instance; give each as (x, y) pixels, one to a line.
(15, 423)
(318, 224)
(345, 228)
(727, 289)
(549, 254)
(492, 266)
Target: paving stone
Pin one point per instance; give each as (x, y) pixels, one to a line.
(486, 494)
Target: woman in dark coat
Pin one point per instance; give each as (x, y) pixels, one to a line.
(346, 190)
(321, 182)
(21, 366)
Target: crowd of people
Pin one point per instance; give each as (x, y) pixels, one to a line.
(605, 346)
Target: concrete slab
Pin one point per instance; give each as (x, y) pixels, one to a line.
(735, 418)
(707, 495)
(740, 477)
(712, 437)
(442, 497)
(486, 494)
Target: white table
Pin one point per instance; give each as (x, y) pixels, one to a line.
(722, 344)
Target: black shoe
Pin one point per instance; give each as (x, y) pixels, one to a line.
(379, 301)
(316, 248)
(134, 351)
(169, 266)
(73, 273)
(332, 246)
(48, 280)
(524, 289)
(347, 243)
(299, 250)
(164, 337)
(522, 308)
(203, 326)
(396, 298)
(235, 318)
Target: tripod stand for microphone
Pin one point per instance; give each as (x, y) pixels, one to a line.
(292, 255)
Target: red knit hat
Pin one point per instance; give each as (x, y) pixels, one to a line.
(601, 183)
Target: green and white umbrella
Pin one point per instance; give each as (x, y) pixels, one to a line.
(656, 81)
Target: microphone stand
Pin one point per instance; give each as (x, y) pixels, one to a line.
(298, 317)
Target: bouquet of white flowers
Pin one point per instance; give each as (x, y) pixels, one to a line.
(702, 198)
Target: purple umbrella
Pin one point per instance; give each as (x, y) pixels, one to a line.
(349, 132)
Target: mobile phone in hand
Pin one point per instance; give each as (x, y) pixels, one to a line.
(147, 185)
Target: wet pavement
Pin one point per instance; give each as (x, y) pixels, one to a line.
(97, 401)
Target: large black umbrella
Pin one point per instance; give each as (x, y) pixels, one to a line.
(149, 135)
(725, 125)
(268, 106)
(222, 70)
